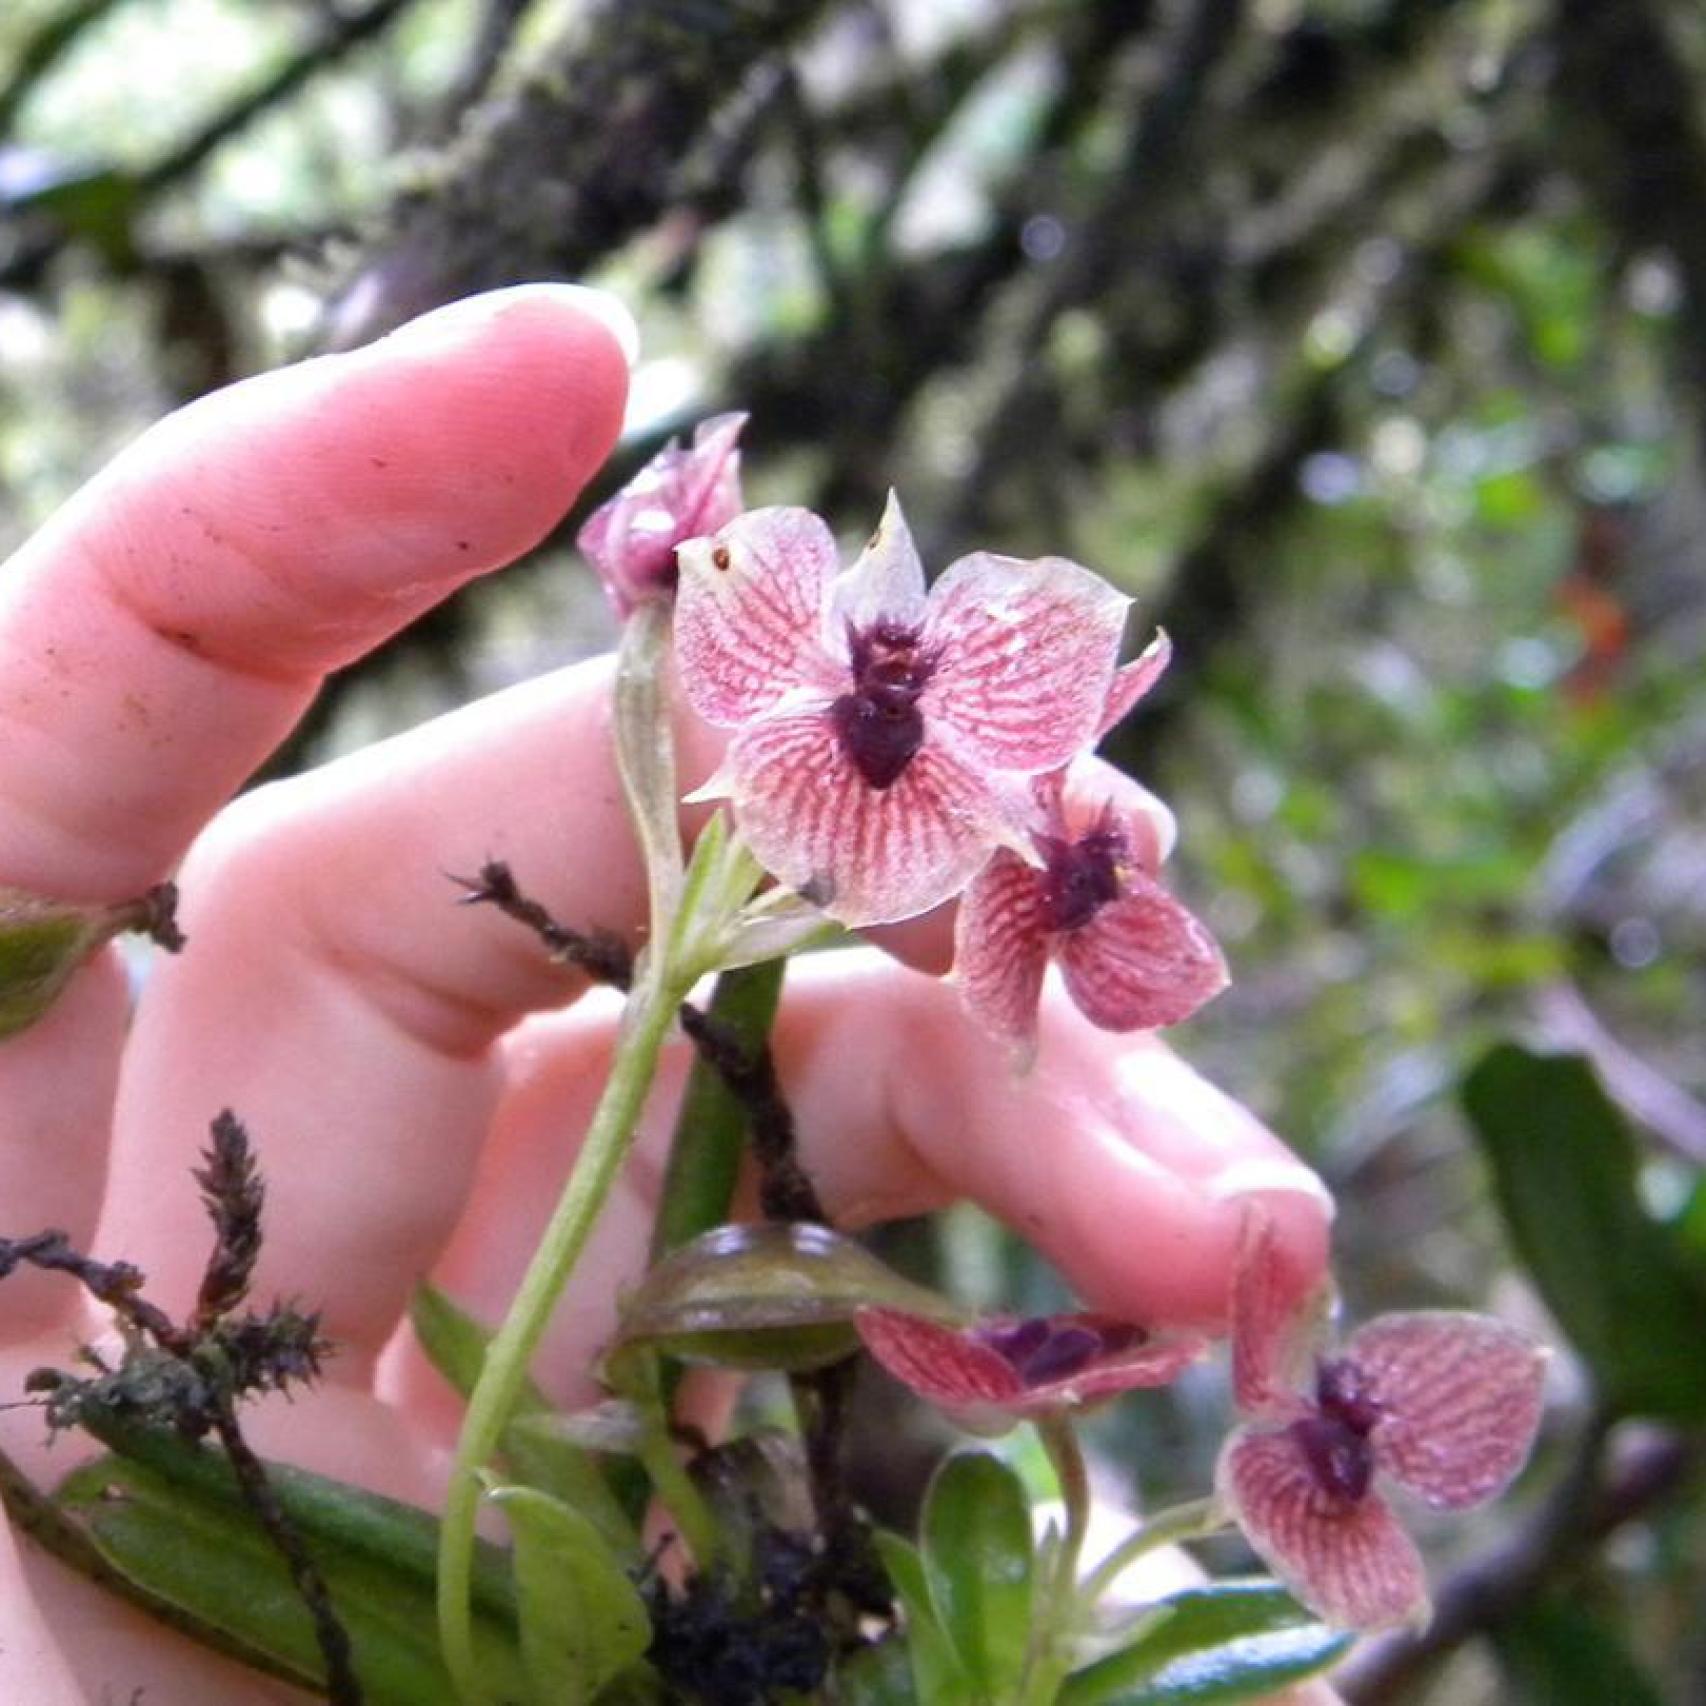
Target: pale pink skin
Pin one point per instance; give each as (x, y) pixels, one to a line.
(157, 640)
(1008, 666)
(1133, 959)
(682, 492)
(966, 1371)
(1442, 1402)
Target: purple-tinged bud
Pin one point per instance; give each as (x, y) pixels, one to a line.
(683, 493)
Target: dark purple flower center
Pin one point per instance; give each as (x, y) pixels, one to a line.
(1080, 877)
(1041, 1350)
(880, 725)
(1335, 1440)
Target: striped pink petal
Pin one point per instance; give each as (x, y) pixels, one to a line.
(1348, 1560)
(1143, 961)
(1270, 1334)
(945, 1366)
(865, 855)
(748, 613)
(1133, 680)
(1025, 1367)
(1025, 657)
(1460, 1401)
(1002, 946)
(679, 494)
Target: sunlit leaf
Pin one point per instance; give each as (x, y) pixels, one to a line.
(1564, 1169)
(1227, 1642)
(937, 1676)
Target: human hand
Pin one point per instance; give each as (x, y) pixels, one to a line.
(156, 641)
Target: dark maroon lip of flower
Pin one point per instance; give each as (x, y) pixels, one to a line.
(879, 723)
(1335, 1440)
(1040, 1351)
(1081, 877)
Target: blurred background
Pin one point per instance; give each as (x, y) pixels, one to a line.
(1363, 340)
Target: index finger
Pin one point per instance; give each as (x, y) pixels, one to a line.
(167, 629)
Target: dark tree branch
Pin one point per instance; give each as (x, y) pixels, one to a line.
(105, 203)
(43, 50)
(584, 154)
(341, 35)
(1628, 109)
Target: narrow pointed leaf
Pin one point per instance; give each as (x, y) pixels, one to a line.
(1619, 1282)
(214, 1561)
(582, 1621)
(1232, 1641)
(978, 1562)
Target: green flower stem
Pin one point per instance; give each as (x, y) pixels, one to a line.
(645, 753)
(1051, 1648)
(672, 1484)
(645, 1024)
(705, 1156)
(1195, 1519)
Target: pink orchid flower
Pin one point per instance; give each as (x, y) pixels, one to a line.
(1132, 957)
(879, 731)
(1444, 1403)
(681, 493)
(1002, 1370)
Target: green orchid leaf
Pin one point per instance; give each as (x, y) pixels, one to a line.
(1555, 1653)
(583, 1623)
(1227, 1642)
(1619, 1282)
(212, 1559)
(327, 1512)
(540, 1447)
(760, 1296)
(978, 1562)
(938, 1679)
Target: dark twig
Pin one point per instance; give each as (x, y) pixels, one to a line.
(195, 1374)
(1583, 1509)
(784, 1190)
(155, 915)
(603, 956)
(234, 1195)
(342, 1686)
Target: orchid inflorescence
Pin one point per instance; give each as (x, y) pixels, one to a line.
(890, 748)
